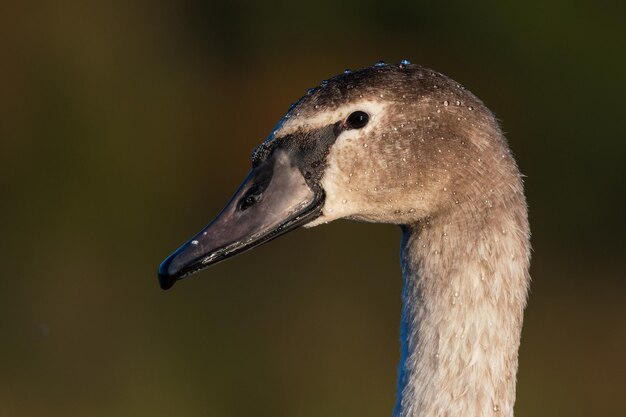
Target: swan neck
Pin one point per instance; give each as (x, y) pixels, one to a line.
(464, 293)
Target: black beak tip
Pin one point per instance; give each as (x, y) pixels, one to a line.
(166, 277)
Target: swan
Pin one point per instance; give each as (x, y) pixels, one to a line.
(405, 145)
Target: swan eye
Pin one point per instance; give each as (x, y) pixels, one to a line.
(357, 120)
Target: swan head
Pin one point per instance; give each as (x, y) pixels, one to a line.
(387, 143)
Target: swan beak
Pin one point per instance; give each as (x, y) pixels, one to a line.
(273, 199)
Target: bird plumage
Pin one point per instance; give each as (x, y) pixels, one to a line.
(432, 159)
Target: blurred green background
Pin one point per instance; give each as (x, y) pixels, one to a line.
(126, 126)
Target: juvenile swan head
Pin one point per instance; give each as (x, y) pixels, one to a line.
(391, 144)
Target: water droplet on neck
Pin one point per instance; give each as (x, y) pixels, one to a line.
(470, 108)
(405, 62)
(458, 102)
(380, 64)
(344, 201)
(446, 103)
(347, 71)
(194, 242)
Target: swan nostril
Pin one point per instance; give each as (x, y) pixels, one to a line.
(248, 201)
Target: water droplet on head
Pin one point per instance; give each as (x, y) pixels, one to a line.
(446, 103)
(458, 102)
(194, 242)
(380, 64)
(344, 201)
(347, 71)
(365, 145)
(470, 108)
(405, 62)
(310, 90)
(456, 294)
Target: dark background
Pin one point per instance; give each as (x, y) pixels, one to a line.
(126, 126)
